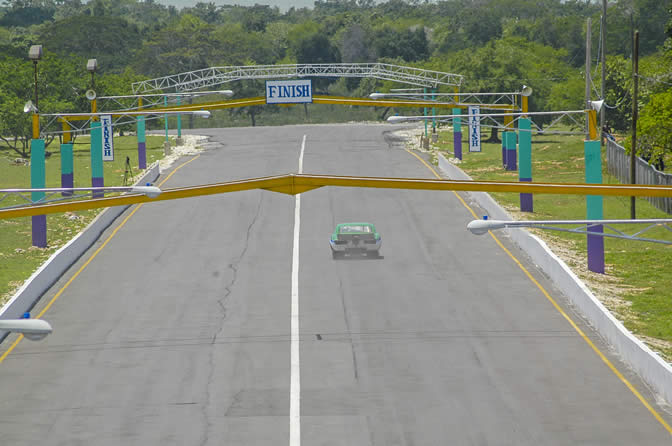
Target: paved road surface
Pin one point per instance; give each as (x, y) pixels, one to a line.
(178, 331)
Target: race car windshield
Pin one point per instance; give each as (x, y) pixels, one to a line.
(355, 228)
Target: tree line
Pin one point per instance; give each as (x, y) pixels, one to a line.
(498, 45)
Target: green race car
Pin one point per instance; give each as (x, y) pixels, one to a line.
(355, 238)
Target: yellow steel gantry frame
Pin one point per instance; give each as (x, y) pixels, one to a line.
(318, 99)
(298, 183)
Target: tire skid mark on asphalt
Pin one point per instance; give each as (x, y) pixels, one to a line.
(578, 330)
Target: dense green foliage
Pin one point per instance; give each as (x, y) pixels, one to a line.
(498, 45)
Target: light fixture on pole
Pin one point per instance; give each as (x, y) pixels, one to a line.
(35, 54)
(525, 93)
(33, 329)
(92, 67)
(526, 90)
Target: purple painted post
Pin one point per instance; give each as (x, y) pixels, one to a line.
(457, 134)
(142, 145)
(67, 171)
(596, 249)
(39, 233)
(594, 205)
(511, 157)
(525, 161)
(526, 200)
(457, 140)
(38, 181)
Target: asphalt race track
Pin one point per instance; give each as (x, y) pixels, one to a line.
(178, 332)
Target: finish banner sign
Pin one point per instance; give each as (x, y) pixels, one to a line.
(474, 128)
(108, 137)
(289, 92)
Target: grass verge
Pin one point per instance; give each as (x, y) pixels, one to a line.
(18, 258)
(637, 286)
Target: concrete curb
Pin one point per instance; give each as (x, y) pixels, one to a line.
(652, 368)
(50, 271)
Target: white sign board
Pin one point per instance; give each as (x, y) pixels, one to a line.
(108, 137)
(474, 129)
(289, 92)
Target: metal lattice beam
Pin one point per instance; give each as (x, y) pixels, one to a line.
(194, 80)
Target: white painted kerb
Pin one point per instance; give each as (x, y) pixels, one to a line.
(51, 270)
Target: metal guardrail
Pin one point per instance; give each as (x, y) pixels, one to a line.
(618, 164)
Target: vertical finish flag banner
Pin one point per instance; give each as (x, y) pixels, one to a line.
(474, 129)
(108, 137)
(289, 92)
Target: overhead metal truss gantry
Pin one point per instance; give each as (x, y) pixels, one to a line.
(80, 122)
(194, 80)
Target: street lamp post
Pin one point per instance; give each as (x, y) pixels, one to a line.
(97, 176)
(37, 161)
(525, 150)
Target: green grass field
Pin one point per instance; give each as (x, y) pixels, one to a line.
(18, 258)
(637, 287)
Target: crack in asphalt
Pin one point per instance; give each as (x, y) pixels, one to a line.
(233, 266)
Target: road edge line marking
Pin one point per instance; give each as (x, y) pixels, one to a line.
(74, 276)
(590, 343)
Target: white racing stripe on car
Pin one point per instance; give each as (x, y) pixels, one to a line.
(295, 365)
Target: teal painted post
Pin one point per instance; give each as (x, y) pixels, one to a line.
(594, 209)
(97, 157)
(433, 112)
(179, 120)
(142, 143)
(525, 161)
(67, 168)
(38, 181)
(165, 119)
(457, 134)
(424, 96)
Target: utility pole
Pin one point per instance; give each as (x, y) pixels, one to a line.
(603, 58)
(635, 99)
(587, 106)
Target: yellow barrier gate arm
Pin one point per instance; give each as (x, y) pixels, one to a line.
(298, 183)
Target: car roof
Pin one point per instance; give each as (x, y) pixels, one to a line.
(340, 225)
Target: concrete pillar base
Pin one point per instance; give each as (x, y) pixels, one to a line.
(179, 142)
(435, 137)
(167, 150)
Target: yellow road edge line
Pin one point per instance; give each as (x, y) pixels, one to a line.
(599, 353)
(93, 256)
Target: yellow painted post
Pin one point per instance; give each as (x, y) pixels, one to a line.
(36, 126)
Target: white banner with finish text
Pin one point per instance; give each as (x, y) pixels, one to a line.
(289, 92)
(108, 137)
(474, 129)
